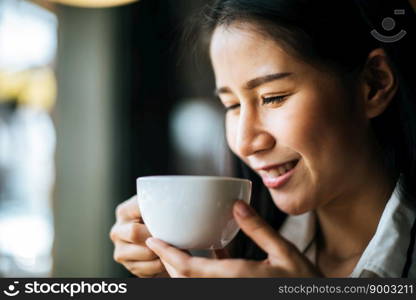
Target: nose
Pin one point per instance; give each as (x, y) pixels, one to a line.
(252, 137)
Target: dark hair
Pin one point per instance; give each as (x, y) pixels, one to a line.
(334, 34)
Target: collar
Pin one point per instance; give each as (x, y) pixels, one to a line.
(301, 230)
(386, 253)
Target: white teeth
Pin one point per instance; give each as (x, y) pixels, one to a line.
(288, 166)
(273, 173)
(281, 170)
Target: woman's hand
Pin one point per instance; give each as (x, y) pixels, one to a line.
(128, 235)
(284, 259)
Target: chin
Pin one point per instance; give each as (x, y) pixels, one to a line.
(290, 206)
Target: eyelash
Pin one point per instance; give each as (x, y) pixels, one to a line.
(273, 99)
(266, 100)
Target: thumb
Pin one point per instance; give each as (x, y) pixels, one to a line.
(261, 232)
(172, 271)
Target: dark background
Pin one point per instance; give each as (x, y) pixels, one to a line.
(124, 75)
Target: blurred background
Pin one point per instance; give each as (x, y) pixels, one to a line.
(90, 99)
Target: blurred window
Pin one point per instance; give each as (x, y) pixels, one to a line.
(28, 37)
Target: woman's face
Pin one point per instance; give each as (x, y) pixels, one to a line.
(297, 122)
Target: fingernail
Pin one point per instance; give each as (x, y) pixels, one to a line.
(242, 209)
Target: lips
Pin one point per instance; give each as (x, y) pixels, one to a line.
(275, 176)
(281, 169)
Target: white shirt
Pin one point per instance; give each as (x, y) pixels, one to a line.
(387, 252)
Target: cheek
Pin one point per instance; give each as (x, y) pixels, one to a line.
(294, 126)
(302, 130)
(320, 130)
(309, 126)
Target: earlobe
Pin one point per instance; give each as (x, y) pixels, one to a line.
(380, 83)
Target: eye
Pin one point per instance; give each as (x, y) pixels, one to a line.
(231, 107)
(274, 99)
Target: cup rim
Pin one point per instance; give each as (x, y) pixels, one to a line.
(191, 177)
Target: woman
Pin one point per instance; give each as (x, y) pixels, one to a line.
(324, 113)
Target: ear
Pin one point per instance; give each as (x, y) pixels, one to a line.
(380, 84)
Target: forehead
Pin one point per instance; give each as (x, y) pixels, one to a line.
(241, 51)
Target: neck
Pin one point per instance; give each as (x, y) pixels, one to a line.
(348, 223)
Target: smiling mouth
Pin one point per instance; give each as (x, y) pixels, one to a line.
(281, 170)
(278, 176)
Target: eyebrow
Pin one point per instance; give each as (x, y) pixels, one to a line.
(253, 83)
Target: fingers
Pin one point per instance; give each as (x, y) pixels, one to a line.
(173, 273)
(131, 232)
(145, 269)
(128, 210)
(124, 252)
(260, 232)
(128, 235)
(184, 265)
(139, 260)
(173, 258)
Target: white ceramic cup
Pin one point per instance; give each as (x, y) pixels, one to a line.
(191, 212)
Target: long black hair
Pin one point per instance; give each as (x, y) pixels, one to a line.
(337, 35)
